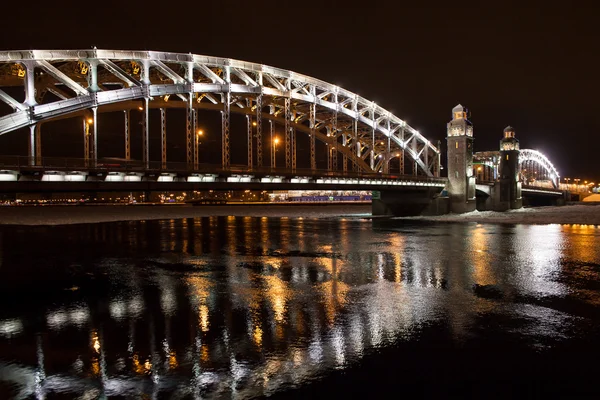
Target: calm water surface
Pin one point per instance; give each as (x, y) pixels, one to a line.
(243, 307)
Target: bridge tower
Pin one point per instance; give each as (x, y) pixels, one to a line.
(510, 186)
(461, 182)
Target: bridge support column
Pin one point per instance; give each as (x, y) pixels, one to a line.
(507, 192)
(461, 182)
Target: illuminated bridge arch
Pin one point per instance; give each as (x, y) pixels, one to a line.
(88, 82)
(541, 165)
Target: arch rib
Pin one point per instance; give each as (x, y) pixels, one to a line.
(212, 78)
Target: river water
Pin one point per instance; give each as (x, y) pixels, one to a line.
(245, 307)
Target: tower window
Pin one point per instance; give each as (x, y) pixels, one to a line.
(507, 156)
(456, 145)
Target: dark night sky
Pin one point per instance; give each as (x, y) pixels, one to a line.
(533, 67)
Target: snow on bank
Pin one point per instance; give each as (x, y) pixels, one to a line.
(62, 215)
(572, 214)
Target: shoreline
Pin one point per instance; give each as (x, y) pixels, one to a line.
(53, 215)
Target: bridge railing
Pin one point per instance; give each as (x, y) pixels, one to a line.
(67, 164)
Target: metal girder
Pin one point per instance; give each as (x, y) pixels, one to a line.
(244, 76)
(209, 73)
(168, 72)
(119, 73)
(61, 77)
(11, 102)
(58, 93)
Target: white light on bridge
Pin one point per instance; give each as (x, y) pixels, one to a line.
(53, 176)
(299, 180)
(201, 178)
(75, 177)
(133, 178)
(114, 177)
(8, 176)
(165, 178)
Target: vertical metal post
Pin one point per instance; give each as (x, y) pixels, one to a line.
(259, 149)
(334, 141)
(328, 145)
(402, 154)
(387, 155)
(189, 115)
(438, 166)
(313, 159)
(86, 142)
(272, 145)
(414, 148)
(249, 127)
(344, 156)
(373, 139)
(38, 144)
(163, 138)
(356, 145)
(294, 145)
(197, 139)
(29, 82)
(225, 115)
(31, 145)
(92, 76)
(288, 117)
(127, 115)
(145, 133)
(95, 136)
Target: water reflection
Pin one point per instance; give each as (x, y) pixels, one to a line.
(241, 307)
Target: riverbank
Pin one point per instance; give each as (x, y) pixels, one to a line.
(77, 214)
(583, 214)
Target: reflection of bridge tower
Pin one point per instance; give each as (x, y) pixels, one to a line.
(461, 182)
(510, 187)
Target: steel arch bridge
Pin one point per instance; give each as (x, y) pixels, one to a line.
(84, 83)
(535, 167)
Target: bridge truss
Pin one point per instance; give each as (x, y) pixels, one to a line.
(535, 168)
(84, 83)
